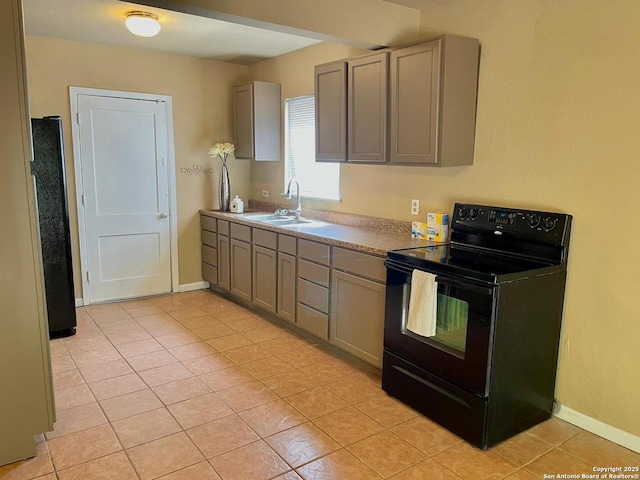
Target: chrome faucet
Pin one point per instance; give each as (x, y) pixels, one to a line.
(298, 211)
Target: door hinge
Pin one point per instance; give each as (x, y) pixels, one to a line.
(82, 198)
(88, 277)
(78, 118)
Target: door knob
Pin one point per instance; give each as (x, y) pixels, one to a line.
(163, 215)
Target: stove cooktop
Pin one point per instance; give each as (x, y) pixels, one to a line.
(495, 245)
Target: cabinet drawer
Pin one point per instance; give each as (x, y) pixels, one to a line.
(313, 272)
(208, 223)
(313, 295)
(362, 264)
(209, 273)
(313, 321)
(209, 238)
(265, 238)
(287, 244)
(314, 251)
(223, 227)
(241, 232)
(210, 255)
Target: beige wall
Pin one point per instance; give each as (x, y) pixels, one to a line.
(557, 129)
(200, 92)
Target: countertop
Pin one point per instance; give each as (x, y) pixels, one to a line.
(367, 240)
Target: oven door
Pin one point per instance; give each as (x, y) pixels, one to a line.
(459, 351)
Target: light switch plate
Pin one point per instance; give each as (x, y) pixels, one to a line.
(265, 193)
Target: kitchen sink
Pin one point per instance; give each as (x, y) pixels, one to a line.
(266, 218)
(285, 221)
(277, 220)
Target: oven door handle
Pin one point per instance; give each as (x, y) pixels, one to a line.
(440, 280)
(390, 264)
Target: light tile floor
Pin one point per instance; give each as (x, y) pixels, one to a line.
(192, 386)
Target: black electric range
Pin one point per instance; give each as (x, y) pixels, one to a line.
(489, 370)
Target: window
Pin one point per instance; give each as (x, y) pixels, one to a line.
(317, 180)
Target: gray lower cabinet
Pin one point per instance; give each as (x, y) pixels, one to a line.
(209, 249)
(358, 295)
(357, 316)
(264, 278)
(334, 293)
(224, 262)
(241, 268)
(286, 300)
(313, 293)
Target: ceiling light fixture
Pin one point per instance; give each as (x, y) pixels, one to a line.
(143, 24)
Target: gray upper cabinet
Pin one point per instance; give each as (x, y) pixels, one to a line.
(406, 106)
(433, 102)
(257, 120)
(331, 111)
(368, 87)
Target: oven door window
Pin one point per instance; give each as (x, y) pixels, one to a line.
(452, 319)
(451, 326)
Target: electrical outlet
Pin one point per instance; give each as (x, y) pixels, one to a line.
(415, 207)
(265, 193)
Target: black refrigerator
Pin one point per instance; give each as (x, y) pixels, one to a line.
(53, 215)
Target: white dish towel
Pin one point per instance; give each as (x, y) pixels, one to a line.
(423, 304)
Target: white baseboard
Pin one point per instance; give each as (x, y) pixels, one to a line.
(604, 430)
(189, 287)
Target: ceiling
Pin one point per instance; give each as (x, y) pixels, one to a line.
(102, 21)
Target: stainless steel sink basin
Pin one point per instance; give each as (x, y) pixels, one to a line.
(266, 218)
(277, 220)
(286, 221)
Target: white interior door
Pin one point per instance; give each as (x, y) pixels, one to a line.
(123, 151)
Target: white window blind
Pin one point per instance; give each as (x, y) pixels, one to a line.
(317, 180)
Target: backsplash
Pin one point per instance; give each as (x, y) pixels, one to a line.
(360, 221)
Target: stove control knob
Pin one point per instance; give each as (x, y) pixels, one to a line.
(548, 224)
(534, 220)
(473, 213)
(463, 212)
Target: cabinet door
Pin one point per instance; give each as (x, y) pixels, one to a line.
(415, 111)
(287, 287)
(331, 111)
(368, 82)
(264, 278)
(241, 269)
(357, 316)
(243, 121)
(224, 263)
(267, 131)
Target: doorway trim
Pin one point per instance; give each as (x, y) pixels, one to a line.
(77, 166)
